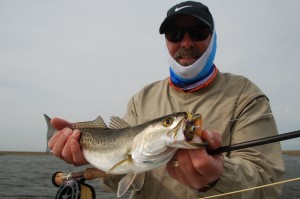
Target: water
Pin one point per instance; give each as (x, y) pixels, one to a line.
(292, 165)
(29, 176)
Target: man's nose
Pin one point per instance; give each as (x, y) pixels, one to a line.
(187, 41)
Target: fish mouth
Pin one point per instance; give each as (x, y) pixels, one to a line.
(182, 124)
(188, 125)
(186, 133)
(192, 121)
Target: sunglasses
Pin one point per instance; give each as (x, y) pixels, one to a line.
(197, 33)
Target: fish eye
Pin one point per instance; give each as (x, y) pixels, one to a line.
(168, 122)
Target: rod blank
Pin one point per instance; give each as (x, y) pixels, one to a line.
(258, 142)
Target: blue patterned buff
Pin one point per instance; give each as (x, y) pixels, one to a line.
(189, 77)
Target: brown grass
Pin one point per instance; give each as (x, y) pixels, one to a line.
(291, 152)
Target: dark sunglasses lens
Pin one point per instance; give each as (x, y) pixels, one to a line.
(196, 34)
(175, 35)
(199, 33)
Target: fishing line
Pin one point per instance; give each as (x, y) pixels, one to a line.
(257, 142)
(86, 193)
(253, 188)
(270, 113)
(297, 108)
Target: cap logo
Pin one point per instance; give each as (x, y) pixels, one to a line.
(179, 8)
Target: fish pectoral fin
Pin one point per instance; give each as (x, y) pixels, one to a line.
(128, 159)
(134, 179)
(138, 181)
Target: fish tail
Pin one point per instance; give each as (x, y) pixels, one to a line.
(50, 132)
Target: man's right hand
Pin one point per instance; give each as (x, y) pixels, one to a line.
(64, 144)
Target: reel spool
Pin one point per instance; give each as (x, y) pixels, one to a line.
(73, 189)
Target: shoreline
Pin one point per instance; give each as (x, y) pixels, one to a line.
(291, 152)
(285, 152)
(23, 153)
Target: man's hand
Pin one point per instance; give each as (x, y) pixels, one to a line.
(195, 167)
(64, 143)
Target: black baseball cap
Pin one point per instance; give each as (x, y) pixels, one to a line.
(191, 8)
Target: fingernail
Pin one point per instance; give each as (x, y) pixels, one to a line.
(210, 137)
(75, 133)
(67, 132)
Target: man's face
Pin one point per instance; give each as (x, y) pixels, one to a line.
(188, 49)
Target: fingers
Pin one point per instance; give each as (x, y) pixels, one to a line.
(213, 138)
(66, 153)
(206, 165)
(78, 158)
(195, 171)
(58, 123)
(53, 140)
(59, 141)
(72, 152)
(175, 172)
(64, 145)
(196, 168)
(185, 172)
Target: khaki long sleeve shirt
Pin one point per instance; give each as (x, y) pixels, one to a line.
(235, 107)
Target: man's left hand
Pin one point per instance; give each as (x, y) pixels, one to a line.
(196, 168)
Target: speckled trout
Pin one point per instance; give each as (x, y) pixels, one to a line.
(132, 150)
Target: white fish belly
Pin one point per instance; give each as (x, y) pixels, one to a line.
(106, 161)
(103, 161)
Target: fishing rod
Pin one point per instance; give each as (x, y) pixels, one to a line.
(75, 181)
(58, 178)
(257, 142)
(252, 143)
(92, 173)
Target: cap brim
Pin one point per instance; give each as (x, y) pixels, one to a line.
(164, 25)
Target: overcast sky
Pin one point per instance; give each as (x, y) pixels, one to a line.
(81, 59)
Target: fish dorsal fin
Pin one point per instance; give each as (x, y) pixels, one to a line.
(134, 179)
(97, 123)
(117, 123)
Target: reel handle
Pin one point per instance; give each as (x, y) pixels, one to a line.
(58, 178)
